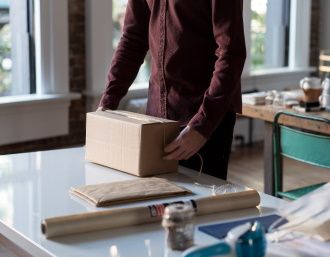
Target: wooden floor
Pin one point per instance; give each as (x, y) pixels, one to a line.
(246, 168)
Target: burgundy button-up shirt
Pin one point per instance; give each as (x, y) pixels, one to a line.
(197, 50)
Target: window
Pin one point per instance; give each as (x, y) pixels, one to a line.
(118, 13)
(5, 48)
(269, 33)
(26, 105)
(16, 62)
(283, 43)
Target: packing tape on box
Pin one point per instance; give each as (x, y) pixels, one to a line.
(137, 116)
(100, 220)
(141, 117)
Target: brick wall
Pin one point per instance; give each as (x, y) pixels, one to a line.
(315, 34)
(77, 112)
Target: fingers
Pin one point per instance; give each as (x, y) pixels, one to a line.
(185, 145)
(175, 149)
(102, 108)
(189, 155)
(181, 152)
(172, 146)
(175, 155)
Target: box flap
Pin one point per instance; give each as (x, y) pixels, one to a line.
(131, 117)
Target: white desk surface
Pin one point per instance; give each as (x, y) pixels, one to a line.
(34, 186)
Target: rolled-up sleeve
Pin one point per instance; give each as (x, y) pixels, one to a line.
(129, 54)
(228, 30)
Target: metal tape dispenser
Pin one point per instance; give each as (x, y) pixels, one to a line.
(247, 240)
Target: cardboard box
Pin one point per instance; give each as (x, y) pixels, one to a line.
(130, 142)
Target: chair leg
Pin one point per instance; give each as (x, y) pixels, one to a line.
(279, 175)
(278, 163)
(250, 142)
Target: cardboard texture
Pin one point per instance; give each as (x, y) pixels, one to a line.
(130, 142)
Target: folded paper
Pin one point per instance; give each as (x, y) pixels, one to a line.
(107, 194)
(309, 214)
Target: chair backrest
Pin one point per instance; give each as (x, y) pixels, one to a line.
(304, 146)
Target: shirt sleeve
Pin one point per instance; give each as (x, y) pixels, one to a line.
(129, 54)
(228, 30)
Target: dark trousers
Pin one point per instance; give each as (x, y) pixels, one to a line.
(216, 151)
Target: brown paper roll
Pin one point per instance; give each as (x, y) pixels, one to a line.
(94, 221)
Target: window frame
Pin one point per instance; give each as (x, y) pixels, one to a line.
(298, 63)
(299, 37)
(277, 39)
(20, 72)
(99, 52)
(32, 50)
(52, 48)
(46, 113)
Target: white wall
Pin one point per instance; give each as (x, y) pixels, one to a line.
(325, 25)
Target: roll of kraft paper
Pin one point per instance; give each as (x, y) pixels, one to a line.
(100, 220)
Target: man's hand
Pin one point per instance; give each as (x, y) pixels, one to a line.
(100, 108)
(185, 145)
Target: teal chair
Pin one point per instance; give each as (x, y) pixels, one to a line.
(304, 146)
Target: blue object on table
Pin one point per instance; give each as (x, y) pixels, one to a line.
(220, 230)
(245, 240)
(218, 249)
(253, 243)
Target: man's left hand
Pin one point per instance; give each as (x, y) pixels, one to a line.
(185, 145)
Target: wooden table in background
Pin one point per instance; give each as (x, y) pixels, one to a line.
(266, 113)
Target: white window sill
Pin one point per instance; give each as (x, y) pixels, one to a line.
(278, 79)
(278, 71)
(268, 79)
(36, 99)
(33, 117)
(272, 73)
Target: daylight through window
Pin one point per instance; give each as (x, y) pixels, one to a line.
(269, 33)
(16, 73)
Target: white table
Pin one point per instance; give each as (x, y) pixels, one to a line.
(34, 186)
